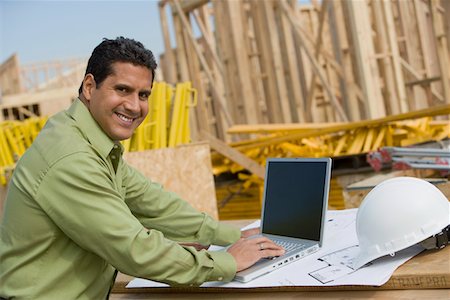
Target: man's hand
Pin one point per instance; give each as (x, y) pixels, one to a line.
(246, 252)
(250, 232)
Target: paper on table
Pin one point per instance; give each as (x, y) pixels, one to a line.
(327, 267)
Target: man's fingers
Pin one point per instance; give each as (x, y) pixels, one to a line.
(271, 252)
(260, 239)
(264, 243)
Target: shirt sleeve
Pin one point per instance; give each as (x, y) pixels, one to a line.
(81, 197)
(165, 211)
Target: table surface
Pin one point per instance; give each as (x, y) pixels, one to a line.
(425, 276)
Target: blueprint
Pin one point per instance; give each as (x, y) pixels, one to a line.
(330, 266)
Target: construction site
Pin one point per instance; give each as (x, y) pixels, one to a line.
(363, 82)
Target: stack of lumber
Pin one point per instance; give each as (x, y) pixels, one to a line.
(334, 140)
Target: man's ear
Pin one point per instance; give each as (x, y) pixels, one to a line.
(88, 85)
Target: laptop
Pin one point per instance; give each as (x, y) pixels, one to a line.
(294, 206)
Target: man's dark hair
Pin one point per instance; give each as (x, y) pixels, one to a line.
(118, 50)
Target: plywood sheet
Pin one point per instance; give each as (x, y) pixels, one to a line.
(185, 170)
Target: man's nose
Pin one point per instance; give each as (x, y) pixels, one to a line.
(132, 102)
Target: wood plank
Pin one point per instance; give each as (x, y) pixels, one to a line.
(200, 113)
(256, 74)
(395, 57)
(360, 29)
(214, 109)
(279, 127)
(189, 5)
(50, 102)
(410, 51)
(442, 49)
(234, 155)
(427, 43)
(446, 5)
(169, 64)
(289, 56)
(225, 52)
(182, 64)
(276, 63)
(242, 76)
(315, 64)
(386, 68)
(342, 53)
(220, 99)
(275, 114)
(429, 112)
(10, 79)
(317, 47)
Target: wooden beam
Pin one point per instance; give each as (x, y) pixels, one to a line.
(361, 31)
(410, 49)
(205, 66)
(276, 62)
(234, 155)
(427, 42)
(277, 128)
(189, 5)
(214, 108)
(170, 75)
(340, 49)
(441, 47)
(315, 64)
(208, 43)
(289, 57)
(10, 79)
(425, 81)
(416, 75)
(446, 6)
(395, 57)
(428, 112)
(317, 47)
(385, 62)
(246, 103)
(275, 112)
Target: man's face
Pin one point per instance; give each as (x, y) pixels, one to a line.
(120, 103)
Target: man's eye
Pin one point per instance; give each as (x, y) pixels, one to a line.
(144, 96)
(122, 89)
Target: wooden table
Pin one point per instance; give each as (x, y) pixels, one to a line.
(425, 276)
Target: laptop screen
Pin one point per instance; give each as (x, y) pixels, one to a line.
(296, 196)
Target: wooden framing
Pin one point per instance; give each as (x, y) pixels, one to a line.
(10, 79)
(367, 68)
(441, 47)
(270, 61)
(328, 61)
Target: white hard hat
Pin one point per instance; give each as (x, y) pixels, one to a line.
(397, 214)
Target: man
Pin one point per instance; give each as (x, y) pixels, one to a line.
(75, 211)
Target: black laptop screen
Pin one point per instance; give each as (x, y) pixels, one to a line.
(294, 198)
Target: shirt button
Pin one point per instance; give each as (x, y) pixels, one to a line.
(116, 146)
(220, 278)
(113, 156)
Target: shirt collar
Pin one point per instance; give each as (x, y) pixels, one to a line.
(90, 128)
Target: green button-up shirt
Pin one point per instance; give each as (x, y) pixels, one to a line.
(75, 212)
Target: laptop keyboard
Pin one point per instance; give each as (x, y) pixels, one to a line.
(289, 246)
